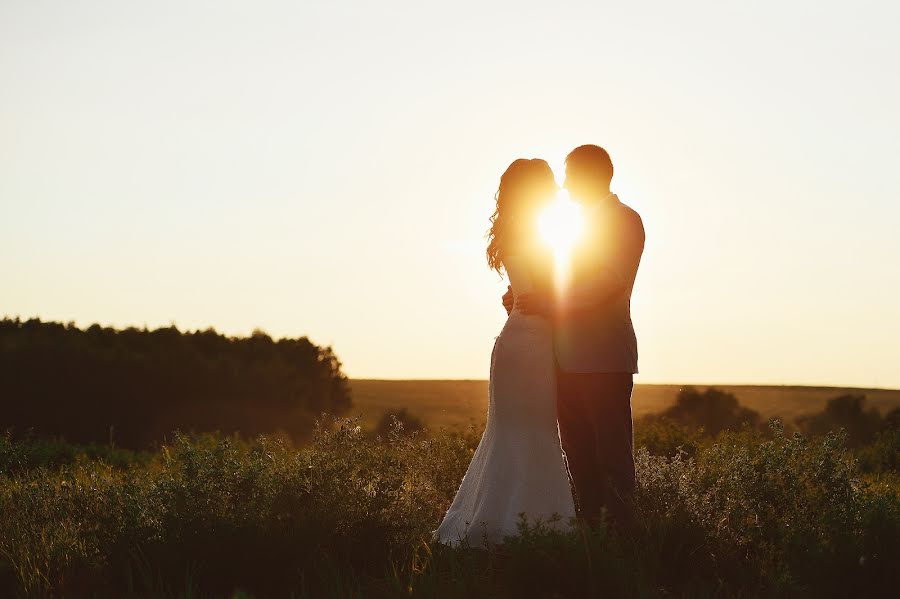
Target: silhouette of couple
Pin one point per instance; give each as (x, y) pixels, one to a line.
(558, 439)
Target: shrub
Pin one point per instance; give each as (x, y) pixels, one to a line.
(401, 423)
(666, 437)
(350, 515)
(29, 452)
(882, 455)
(785, 515)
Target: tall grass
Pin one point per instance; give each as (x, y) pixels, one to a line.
(350, 515)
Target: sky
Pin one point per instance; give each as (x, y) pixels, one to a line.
(328, 168)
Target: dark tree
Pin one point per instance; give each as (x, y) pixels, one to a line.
(134, 386)
(712, 410)
(847, 412)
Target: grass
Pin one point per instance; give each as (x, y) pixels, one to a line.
(745, 515)
(458, 404)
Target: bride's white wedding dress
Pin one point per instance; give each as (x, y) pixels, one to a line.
(518, 466)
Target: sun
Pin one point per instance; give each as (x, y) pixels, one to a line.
(561, 225)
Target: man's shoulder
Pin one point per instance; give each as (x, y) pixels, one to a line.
(630, 217)
(628, 212)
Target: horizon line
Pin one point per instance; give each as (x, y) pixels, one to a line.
(787, 385)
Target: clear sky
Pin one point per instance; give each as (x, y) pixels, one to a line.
(327, 169)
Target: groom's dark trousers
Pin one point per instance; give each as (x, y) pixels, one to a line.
(596, 352)
(595, 428)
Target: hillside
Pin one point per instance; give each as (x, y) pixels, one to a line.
(458, 403)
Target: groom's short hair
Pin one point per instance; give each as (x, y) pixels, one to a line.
(590, 159)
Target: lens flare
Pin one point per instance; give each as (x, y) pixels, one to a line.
(561, 225)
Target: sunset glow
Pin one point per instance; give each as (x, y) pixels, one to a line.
(561, 225)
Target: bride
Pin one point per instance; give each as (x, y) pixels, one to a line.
(518, 467)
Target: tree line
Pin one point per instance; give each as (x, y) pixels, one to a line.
(132, 387)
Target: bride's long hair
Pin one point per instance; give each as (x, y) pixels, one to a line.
(526, 186)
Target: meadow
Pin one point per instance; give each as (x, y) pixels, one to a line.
(458, 404)
(743, 514)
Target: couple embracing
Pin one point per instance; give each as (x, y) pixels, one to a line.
(558, 439)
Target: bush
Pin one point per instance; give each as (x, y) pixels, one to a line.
(883, 455)
(352, 516)
(791, 508)
(666, 437)
(401, 423)
(31, 452)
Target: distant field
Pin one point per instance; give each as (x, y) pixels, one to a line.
(459, 403)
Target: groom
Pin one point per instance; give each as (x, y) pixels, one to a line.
(595, 344)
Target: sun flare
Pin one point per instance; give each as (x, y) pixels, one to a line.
(561, 225)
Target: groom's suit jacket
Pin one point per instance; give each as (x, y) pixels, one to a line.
(601, 337)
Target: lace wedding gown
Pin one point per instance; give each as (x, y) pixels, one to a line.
(518, 466)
